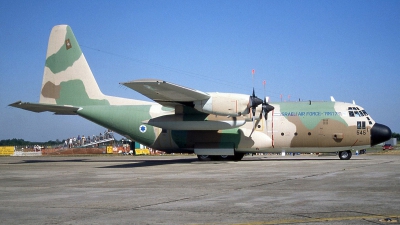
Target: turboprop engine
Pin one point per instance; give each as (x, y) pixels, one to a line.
(228, 104)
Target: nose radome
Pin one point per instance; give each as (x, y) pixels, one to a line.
(380, 133)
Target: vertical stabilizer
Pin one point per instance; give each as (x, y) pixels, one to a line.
(67, 78)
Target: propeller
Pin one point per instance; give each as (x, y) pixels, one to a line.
(254, 101)
(265, 109)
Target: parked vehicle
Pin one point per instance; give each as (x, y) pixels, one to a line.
(387, 147)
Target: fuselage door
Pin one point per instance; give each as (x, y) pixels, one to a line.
(164, 138)
(323, 131)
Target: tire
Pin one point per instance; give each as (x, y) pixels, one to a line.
(237, 157)
(345, 155)
(204, 157)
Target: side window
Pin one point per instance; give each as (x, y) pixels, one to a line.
(361, 125)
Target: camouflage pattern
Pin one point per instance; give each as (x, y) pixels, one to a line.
(69, 87)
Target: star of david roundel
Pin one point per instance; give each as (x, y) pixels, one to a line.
(142, 128)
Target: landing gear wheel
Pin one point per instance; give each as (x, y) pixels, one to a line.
(237, 156)
(204, 157)
(345, 155)
(224, 157)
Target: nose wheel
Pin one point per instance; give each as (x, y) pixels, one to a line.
(345, 155)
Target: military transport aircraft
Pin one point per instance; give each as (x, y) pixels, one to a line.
(214, 125)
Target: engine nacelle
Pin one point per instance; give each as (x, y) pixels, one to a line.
(224, 104)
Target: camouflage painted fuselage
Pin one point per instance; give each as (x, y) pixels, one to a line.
(292, 126)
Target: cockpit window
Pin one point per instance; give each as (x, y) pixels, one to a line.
(356, 112)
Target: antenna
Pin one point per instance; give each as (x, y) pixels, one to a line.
(264, 82)
(253, 71)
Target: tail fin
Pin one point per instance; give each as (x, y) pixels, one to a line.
(68, 83)
(67, 78)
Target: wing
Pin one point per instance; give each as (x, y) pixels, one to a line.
(166, 94)
(40, 107)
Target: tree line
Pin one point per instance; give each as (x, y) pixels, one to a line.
(22, 142)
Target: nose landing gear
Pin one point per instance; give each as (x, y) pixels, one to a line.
(345, 155)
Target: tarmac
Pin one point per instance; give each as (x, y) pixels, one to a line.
(178, 189)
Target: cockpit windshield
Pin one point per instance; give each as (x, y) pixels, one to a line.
(356, 112)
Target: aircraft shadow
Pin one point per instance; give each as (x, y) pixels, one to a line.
(148, 163)
(49, 161)
(126, 163)
(297, 159)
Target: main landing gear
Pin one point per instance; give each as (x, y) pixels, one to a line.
(236, 157)
(345, 155)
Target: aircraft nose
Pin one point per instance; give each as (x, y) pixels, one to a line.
(380, 133)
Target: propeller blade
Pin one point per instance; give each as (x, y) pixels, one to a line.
(266, 108)
(254, 115)
(254, 127)
(264, 115)
(254, 101)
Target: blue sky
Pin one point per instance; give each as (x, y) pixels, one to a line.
(305, 49)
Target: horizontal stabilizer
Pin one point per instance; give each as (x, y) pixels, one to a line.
(40, 107)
